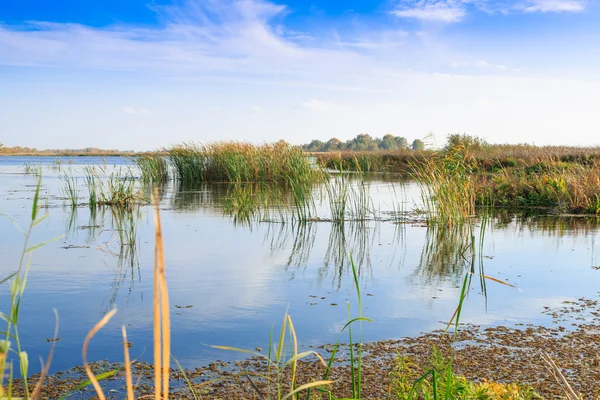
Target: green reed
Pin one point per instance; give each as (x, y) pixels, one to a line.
(153, 168)
(32, 169)
(114, 189)
(91, 180)
(348, 198)
(17, 282)
(447, 188)
(242, 162)
(70, 189)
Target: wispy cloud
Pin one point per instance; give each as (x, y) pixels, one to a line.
(507, 7)
(432, 10)
(557, 6)
(450, 11)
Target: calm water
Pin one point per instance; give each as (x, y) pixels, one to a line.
(240, 279)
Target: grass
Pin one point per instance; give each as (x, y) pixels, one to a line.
(242, 162)
(70, 190)
(447, 188)
(153, 168)
(468, 173)
(115, 189)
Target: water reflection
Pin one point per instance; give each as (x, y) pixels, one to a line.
(112, 231)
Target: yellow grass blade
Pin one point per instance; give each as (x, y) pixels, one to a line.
(86, 343)
(128, 380)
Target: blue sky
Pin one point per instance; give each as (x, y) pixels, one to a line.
(143, 74)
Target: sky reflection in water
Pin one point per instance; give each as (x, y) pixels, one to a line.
(240, 278)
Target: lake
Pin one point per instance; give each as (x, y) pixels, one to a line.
(231, 279)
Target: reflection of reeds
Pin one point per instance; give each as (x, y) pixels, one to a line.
(355, 238)
(246, 202)
(449, 250)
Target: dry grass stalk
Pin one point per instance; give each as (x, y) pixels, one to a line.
(86, 343)
(551, 365)
(128, 379)
(162, 323)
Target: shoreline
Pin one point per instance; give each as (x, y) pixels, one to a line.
(500, 354)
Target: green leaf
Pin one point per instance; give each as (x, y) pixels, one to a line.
(24, 362)
(36, 197)
(86, 383)
(7, 278)
(39, 220)
(356, 319)
(37, 246)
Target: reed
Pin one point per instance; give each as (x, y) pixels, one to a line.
(242, 162)
(447, 188)
(70, 190)
(114, 189)
(32, 169)
(17, 282)
(154, 168)
(348, 197)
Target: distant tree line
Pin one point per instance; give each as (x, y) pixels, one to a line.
(365, 142)
(33, 150)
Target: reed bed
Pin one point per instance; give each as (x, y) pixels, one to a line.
(393, 161)
(447, 188)
(571, 188)
(242, 162)
(114, 189)
(154, 168)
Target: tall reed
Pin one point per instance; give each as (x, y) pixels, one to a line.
(70, 189)
(153, 168)
(447, 188)
(242, 162)
(17, 282)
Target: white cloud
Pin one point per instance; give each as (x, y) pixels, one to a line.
(507, 7)
(257, 109)
(556, 6)
(320, 105)
(433, 10)
(129, 110)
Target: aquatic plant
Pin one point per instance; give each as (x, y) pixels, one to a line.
(70, 190)
(153, 168)
(447, 188)
(32, 169)
(348, 197)
(17, 282)
(114, 189)
(242, 162)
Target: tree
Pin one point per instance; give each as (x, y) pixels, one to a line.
(315, 145)
(334, 144)
(418, 144)
(401, 142)
(388, 142)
